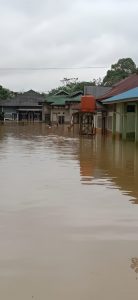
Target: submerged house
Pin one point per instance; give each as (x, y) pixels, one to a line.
(26, 107)
(59, 108)
(124, 112)
(64, 108)
(98, 92)
(120, 113)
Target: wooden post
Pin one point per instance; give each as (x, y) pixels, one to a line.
(136, 122)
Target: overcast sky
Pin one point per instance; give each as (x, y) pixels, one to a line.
(64, 34)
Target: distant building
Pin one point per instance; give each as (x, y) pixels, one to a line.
(26, 106)
(62, 107)
(122, 111)
(59, 108)
(120, 87)
(97, 92)
(120, 114)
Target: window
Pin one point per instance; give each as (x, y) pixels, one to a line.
(131, 108)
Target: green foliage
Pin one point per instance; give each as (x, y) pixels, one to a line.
(4, 93)
(122, 69)
(71, 85)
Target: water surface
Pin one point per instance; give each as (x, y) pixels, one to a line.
(68, 215)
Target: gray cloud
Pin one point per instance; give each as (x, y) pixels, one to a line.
(64, 33)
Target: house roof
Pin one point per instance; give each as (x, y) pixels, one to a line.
(121, 87)
(30, 98)
(57, 100)
(62, 93)
(75, 99)
(75, 94)
(96, 91)
(130, 95)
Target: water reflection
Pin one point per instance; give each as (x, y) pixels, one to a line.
(65, 215)
(101, 160)
(87, 157)
(110, 160)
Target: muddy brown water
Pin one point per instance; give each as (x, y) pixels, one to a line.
(68, 215)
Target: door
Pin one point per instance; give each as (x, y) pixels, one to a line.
(61, 119)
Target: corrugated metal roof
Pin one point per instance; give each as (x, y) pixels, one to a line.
(62, 93)
(62, 100)
(122, 86)
(29, 98)
(59, 102)
(96, 91)
(75, 99)
(56, 100)
(75, 94)
(132, 94)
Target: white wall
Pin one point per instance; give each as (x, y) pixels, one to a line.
(98, 120)
(110, 121)
(56, 112)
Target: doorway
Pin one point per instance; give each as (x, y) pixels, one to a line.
(61, 119)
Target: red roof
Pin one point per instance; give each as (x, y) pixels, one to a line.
(122, 86)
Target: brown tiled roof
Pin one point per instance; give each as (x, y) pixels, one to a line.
(122, 86)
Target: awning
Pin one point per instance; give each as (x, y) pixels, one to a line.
(29, 109)
(130, 95)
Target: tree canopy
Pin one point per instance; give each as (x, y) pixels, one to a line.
(71, 85)
(4, 93)
(120, 70)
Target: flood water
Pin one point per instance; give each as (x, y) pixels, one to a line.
(68, 216)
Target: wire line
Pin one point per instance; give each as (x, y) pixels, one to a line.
(49, 68)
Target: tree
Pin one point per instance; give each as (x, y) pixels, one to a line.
(122, 69)
(71, 85)
(67, 81)
(4, 93)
